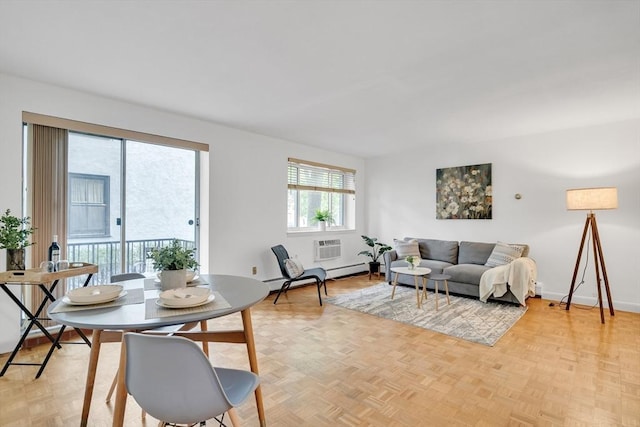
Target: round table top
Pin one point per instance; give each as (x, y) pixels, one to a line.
(418, 271)
(239, 292)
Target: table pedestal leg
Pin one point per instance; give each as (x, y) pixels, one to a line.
(253, 361)
(91, 376)
(121, 390)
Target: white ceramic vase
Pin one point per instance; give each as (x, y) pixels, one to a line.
(173, 279)
(322, 225)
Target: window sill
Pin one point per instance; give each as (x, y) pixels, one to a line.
(319, 232)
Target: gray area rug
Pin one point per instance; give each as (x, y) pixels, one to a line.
(465, 318)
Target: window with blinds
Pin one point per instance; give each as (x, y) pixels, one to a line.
(314, 187)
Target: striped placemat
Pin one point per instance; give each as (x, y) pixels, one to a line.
(133, 296)
(154, 311)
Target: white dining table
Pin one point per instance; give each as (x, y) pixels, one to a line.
(110, 323)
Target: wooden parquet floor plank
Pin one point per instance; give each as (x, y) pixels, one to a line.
(329, 366)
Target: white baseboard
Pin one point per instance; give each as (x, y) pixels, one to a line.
(617, 305)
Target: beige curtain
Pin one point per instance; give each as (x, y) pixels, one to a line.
(48, 197)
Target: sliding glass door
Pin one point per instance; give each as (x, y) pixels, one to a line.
(126, 197)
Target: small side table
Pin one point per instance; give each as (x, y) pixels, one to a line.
(47, 282)
(438, 278)
(416, 272)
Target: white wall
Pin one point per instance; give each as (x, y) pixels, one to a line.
(247, 185)
(401, 202)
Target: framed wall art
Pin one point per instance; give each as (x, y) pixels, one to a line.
(464, 192)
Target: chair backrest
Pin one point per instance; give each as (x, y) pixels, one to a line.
(282, 255)
(172, 379)
(126, 276)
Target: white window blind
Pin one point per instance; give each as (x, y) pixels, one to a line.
(312, 176)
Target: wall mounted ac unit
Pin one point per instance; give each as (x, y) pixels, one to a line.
(327, 249)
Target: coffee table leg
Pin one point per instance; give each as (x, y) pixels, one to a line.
(395, 282)
(415, 282)
(436, 295)
(446, 288)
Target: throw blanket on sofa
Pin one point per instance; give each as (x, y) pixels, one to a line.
(520, 274)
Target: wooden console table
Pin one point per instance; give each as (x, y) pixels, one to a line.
(47, 282)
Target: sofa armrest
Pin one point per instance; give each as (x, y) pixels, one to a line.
(389, 257)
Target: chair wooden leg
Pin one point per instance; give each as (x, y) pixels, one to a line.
(112, 388)
(233, 415)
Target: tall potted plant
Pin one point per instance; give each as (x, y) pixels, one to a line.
(173, 261)
(14, 237)
(376, 251)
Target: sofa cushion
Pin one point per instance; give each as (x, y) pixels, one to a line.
(439, 250)
(406, 247)
(474, 252)
(466, 273)
(525, 248)
(503, 254)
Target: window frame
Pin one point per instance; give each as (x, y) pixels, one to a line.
(327, 180)
(105, 179)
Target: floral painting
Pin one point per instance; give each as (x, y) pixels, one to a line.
(464, 192)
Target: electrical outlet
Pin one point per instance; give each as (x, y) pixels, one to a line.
(254, 270)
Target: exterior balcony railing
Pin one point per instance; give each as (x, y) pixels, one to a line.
(107, 256)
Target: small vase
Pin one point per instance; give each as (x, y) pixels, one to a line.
(322, 225)
(15, 259)
(412, 267)
(173, 279)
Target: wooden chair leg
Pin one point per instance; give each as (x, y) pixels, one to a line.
(233, 415)
(112, 388)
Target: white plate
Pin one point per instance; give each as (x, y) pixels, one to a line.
(182, 297)
(208, 300)
(66, 300)
(94, 294)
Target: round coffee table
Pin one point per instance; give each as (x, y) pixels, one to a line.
(415, 272)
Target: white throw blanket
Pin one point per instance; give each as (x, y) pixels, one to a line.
(520, 275)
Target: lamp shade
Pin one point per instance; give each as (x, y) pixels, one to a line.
(592, 198)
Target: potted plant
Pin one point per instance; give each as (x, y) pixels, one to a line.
(14, 237)
(376, 251)
(323, 217)
(173, 261)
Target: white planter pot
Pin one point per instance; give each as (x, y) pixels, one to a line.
(322, 225)
(173, 279)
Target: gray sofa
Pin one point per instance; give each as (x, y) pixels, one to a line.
(463, 261)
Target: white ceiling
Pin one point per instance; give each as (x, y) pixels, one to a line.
(359, 77)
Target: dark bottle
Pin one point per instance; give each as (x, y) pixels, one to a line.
(54, 252)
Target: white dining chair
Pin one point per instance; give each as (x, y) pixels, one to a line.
(172, 380)
(164, 330)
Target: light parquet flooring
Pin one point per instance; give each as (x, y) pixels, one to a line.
(329, 366)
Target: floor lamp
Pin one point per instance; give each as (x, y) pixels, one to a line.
(593, 199)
